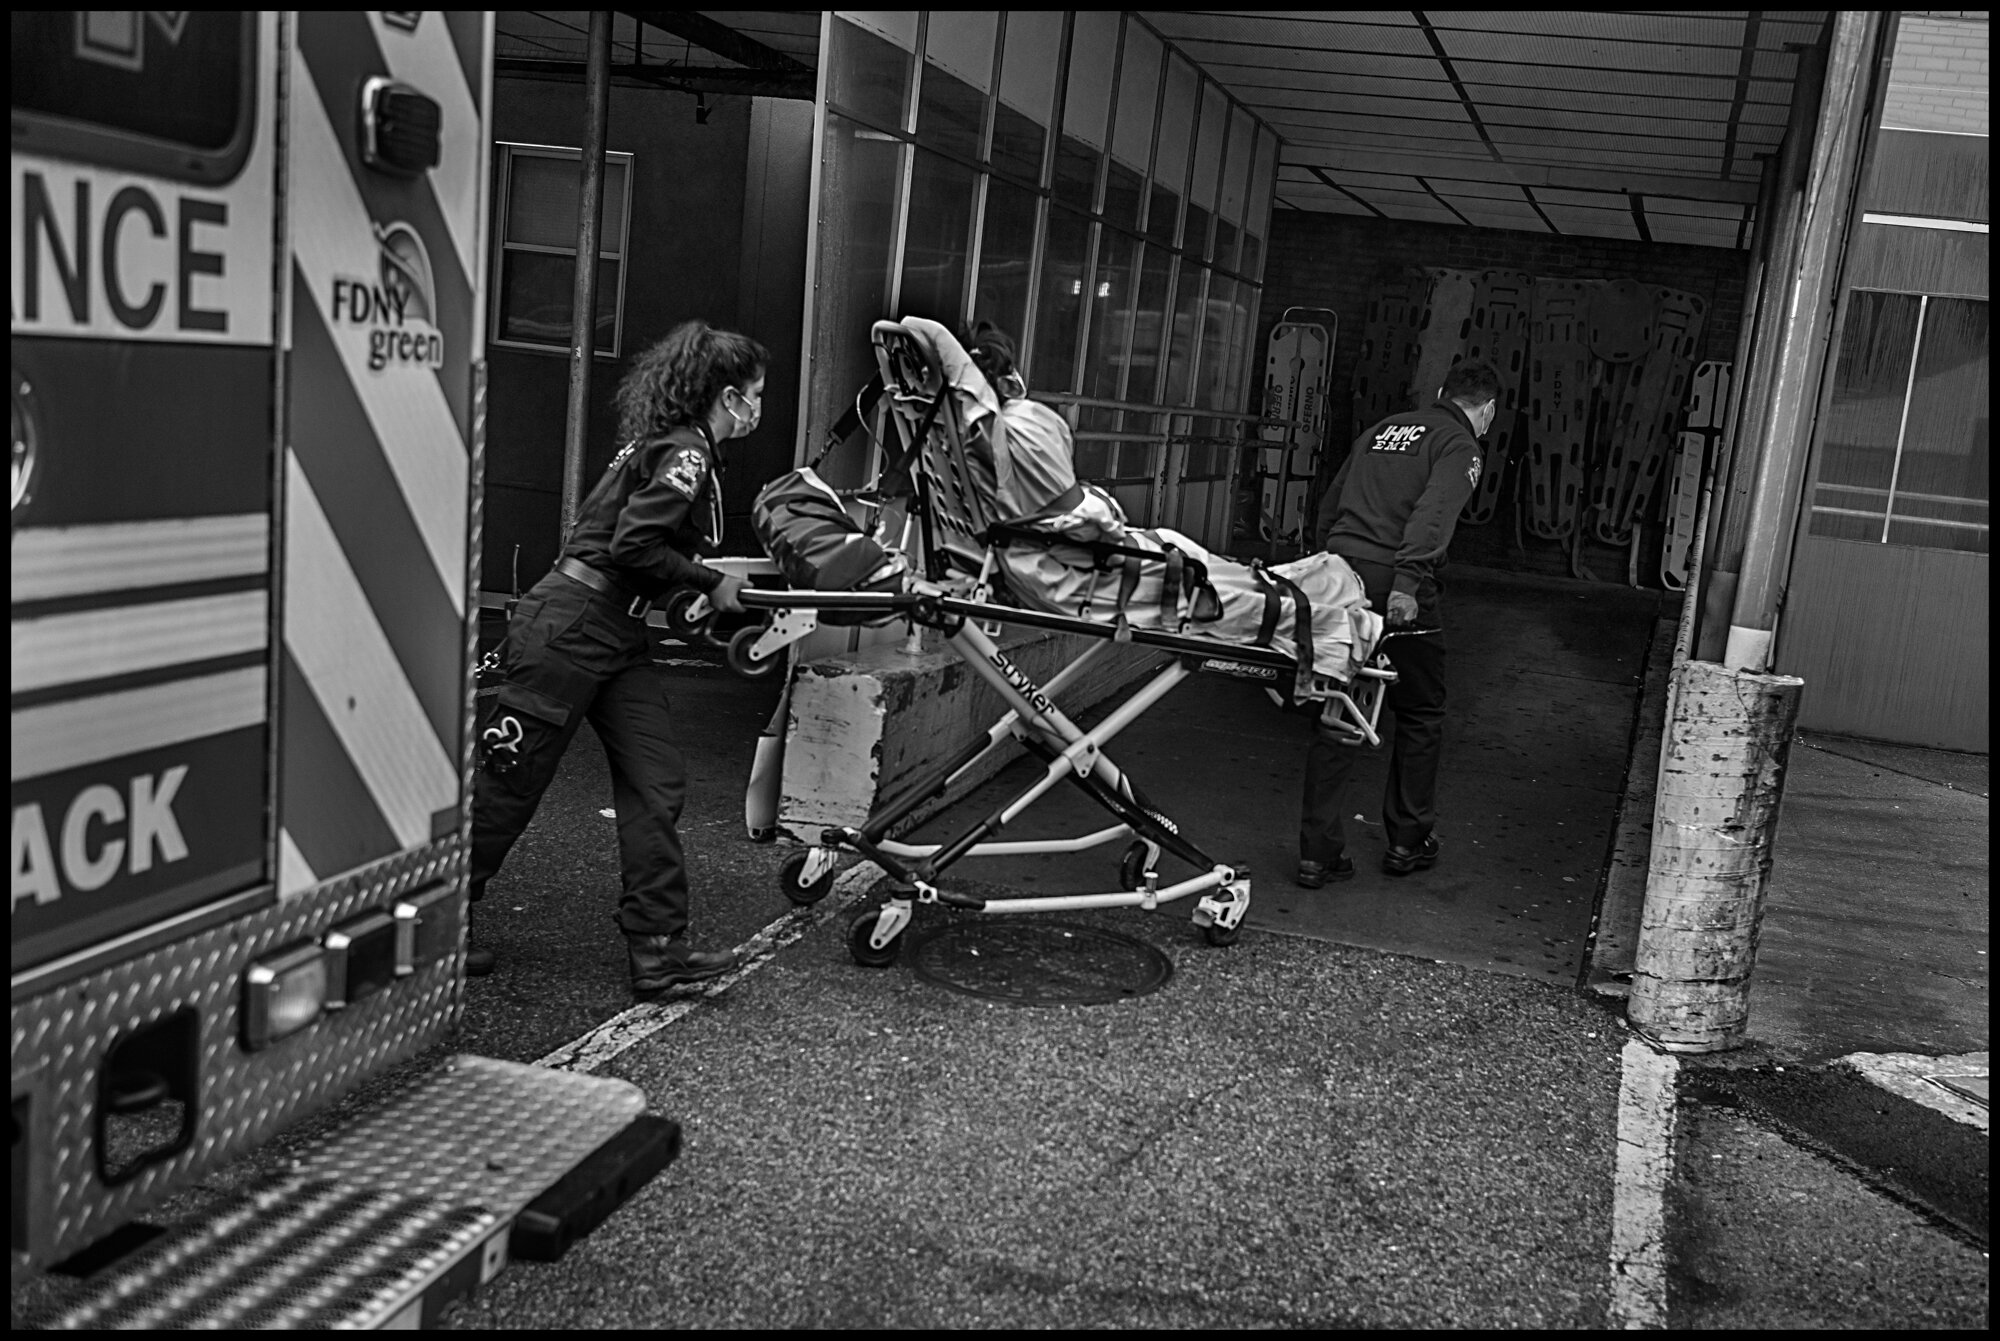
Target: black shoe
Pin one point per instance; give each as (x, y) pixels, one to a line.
(1313, 874)
(478, 962)
(1403, 860)
(660, 962)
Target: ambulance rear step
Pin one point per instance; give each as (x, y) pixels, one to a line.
(389, 1221)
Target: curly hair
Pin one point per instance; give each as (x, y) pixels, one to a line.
(992, 352)
(675, 380)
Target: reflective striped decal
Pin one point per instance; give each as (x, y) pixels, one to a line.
(56, 736)
(98, 644)
(52, 562)
(406, 415)
(381, 344)
(355, 677)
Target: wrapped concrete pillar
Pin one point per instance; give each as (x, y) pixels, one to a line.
(1721, 779)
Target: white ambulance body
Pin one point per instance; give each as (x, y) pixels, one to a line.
(248, 390)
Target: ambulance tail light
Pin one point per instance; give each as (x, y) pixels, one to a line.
(360, 959)
(283, 994)
(424, 931)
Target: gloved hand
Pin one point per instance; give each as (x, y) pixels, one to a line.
(724, 595)
(1402, 609)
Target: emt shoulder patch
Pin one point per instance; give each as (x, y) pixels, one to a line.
(685, 472)
(1398, 438)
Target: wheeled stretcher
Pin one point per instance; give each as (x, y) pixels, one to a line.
(957, 566)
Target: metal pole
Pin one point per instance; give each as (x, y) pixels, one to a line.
(1808, 299)
(589, 228)
(1745, 437)
(1730, 732)
(1716, 474)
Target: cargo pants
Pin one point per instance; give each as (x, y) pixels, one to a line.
(1409, 799)
(571, 655)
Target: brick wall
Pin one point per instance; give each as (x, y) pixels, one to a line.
(1940, 79)
(1331, 260)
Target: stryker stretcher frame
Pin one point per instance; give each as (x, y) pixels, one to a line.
(947, 513)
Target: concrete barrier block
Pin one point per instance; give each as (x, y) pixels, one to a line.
(864, 725)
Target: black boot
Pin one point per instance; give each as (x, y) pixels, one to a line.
(660, 962)
(478, 962)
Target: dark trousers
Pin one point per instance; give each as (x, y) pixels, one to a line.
(572, 654)
(1409, 801)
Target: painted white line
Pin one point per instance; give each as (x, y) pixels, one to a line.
(1639, 1188)
(642, 1021)
(1908, 1074)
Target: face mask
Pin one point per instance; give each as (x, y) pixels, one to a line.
(756, 416)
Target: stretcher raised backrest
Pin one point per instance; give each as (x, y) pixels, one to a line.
(949, 456)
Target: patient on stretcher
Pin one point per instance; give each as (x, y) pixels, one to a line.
(1062, 542)
(1060, 545)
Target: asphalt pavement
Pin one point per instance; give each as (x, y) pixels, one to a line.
(1392, 1103)
(1389, 1104)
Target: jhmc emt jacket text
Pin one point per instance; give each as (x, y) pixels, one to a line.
(1396, 499)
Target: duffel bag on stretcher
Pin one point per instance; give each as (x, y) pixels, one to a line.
(806, 529)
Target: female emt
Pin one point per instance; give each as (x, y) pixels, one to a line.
(578, 647)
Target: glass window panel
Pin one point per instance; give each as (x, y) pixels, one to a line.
(868, 76)
(1138, 94)
(897, 25)
(1148, 323)
(536, 293)
(1006, 251)
(1195, 235)
(1858, 442)
(1163, 215)
(1170, 159)
(1060, 307)
(1252, 261)
(949, 112)
(1093, 460)
(1208, 145)
(1028, 65)
(1236, 165)
(1122, 193)
(1215, 328)
(860, 175)
(1182, 334)
(1225, 243)
(1075, 182)
(1117, 285)
(961, 40)
(1093, 51)
(937, 240)
(1946, 445)
(1257, 216)
(1017, 144)
(1937, 535)
(1239, 349)
(542, 193)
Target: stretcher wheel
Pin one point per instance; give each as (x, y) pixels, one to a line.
(1220, 935)
(859, 933)
(737, 655)
(679, 622)
(1132, 867)
(802, 892)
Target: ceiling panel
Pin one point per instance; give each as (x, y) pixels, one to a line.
(1593, 223)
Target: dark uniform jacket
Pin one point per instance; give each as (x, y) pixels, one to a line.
(1397, 497)
(658, 507)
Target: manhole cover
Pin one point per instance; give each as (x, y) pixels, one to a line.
(1036, 963)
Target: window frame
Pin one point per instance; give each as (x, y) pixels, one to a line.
(505, 152)
(1888, 515)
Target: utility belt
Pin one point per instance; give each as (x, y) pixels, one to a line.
(576, 570)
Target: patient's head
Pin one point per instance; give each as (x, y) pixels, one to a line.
(992, 351)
